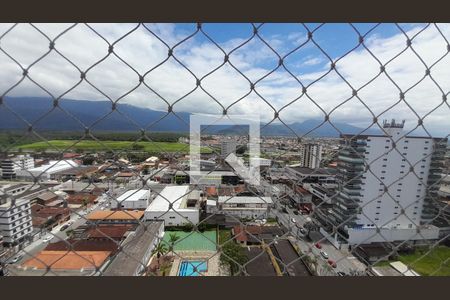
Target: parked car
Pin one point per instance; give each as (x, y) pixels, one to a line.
(16, 258)
(64, 227)
(47, 239)
(332, 263)
(318, 245)
(340, 273)
(324, 254)
(284, 210)
(303, 231)
(293, 220)
(295, 212)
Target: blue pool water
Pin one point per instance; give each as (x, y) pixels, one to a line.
(187, 268)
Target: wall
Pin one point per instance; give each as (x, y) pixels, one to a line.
(172, 218)
(367, 236)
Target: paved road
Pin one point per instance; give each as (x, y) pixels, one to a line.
(345, 262)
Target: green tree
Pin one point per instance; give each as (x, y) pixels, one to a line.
(233, 255)
(159, 250)
(173, 238)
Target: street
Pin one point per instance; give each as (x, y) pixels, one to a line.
(345, 262)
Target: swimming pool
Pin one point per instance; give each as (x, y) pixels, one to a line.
(187, 268)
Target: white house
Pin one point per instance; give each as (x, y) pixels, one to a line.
(132, 199)
(175, 205)
(244, 206)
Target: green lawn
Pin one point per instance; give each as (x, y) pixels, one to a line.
(428, 263)
(224, 236)
(109, 145)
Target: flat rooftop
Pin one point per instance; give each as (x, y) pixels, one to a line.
(314, 172)
(134, 248)
(245, 199)
(175, 195)
(133, 195)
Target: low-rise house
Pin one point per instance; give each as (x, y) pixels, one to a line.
(49, 217)
(175, 205)
(245, 206)
(132, 199)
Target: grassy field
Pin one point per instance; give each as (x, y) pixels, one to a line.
(435, 260)
(109, 145)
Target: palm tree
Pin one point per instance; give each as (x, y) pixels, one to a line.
(159, 250)
(173, 238)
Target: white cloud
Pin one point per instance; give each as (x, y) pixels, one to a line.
(142, 51)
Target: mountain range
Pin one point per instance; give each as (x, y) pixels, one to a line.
(70, 115)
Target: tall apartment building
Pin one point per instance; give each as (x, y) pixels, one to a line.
(15, 220)
(380, 198)
(310, 155)
(10, 166)
(228, 146)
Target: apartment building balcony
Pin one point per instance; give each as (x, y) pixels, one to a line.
(352, 190)
(353, 160)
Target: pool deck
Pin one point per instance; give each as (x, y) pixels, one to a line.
(211, 257)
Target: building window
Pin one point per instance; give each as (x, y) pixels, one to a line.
(426, 148)
(383, 172)
(387, 147)
(405, 147)
(382, 177)
(384, 166)
(406, 141)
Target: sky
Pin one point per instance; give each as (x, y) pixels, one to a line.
(142, 49)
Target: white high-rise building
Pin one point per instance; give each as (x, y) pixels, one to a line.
(380, 197)
(228, 146)
(11, 166)
(15, 220)
(310, 155)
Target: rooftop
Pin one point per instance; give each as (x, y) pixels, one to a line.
(55, 166)
(133, 195)
(68, 260)
(314, 172)
(115, 215)
(244, 199)
(136, 245)
(175, 195)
